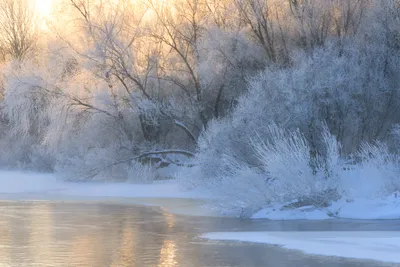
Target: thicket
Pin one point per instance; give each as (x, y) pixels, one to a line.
(263, 100)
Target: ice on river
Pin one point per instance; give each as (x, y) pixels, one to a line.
(380, 246)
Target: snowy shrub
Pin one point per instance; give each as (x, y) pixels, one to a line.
(284, 170)
(241, 191)
(375, 173)
(140, 173)
(287, 163)
(92, 164)
(326, 105)
(25, 112)
(189, 178)
(293, 171)
(396, 138)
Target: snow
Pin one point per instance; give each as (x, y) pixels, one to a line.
(361, 208)
(379, 246)
(23, 185)
(13, 182)
(276, 212)
(379, 209)
(40, 186)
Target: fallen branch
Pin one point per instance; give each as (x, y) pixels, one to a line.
(169, 151)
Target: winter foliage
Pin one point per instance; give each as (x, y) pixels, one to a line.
(259, 102)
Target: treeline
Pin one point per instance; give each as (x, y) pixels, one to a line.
(115, 83)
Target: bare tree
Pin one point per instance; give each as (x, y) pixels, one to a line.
(260, 18)
(181, 28)
(18, 28)
(121, 53)
(317, 20)
(348, 17)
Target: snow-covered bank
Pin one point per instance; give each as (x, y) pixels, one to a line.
(380, 246)
(278, 212)
(39, 186)
(18, 182)
(378, 209)
(12, 182)
(368, 209)
(16, 185)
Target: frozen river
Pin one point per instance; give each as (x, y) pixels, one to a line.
(55, 233)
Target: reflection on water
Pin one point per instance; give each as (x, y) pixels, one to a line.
(71, 234)
(167, 254)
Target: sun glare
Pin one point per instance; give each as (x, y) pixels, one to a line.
(43, 7)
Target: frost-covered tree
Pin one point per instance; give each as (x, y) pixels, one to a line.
(123, 83)
(325, 107)
(25, 116)
(18, 28)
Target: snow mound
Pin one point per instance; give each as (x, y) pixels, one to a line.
(387, 208)
(375, 209)
(277, 212)
(13, 182)
(379, 246)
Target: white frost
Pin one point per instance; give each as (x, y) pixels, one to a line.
(387, 208)
(304, 213)
(12, 182)
(380, 246)
(379, 208)
(47, 186)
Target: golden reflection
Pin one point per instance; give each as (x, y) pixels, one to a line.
(168, 250)
(88, 245)
(126, 252)
(85, 249)
(41, 223)
(6, 235)
(169, 218)
(50, 237)
(168, 254)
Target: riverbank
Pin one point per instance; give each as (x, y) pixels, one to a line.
(168, 194)
(28, 186)
(387, 208)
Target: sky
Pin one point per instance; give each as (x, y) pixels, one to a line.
(44, 7)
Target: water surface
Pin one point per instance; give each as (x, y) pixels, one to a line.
(49, 233)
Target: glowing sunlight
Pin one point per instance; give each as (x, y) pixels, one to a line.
(44, 7)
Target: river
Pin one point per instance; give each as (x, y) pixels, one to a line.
(72, 234)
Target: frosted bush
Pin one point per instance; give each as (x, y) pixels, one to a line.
(295, 173)
(92, 164)
(140, 173)
(239, 190)
(285, 170)
(189, 177)
(286, 161)
(375, 174)
(333, 164)
(396, 137)
(242, 191)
